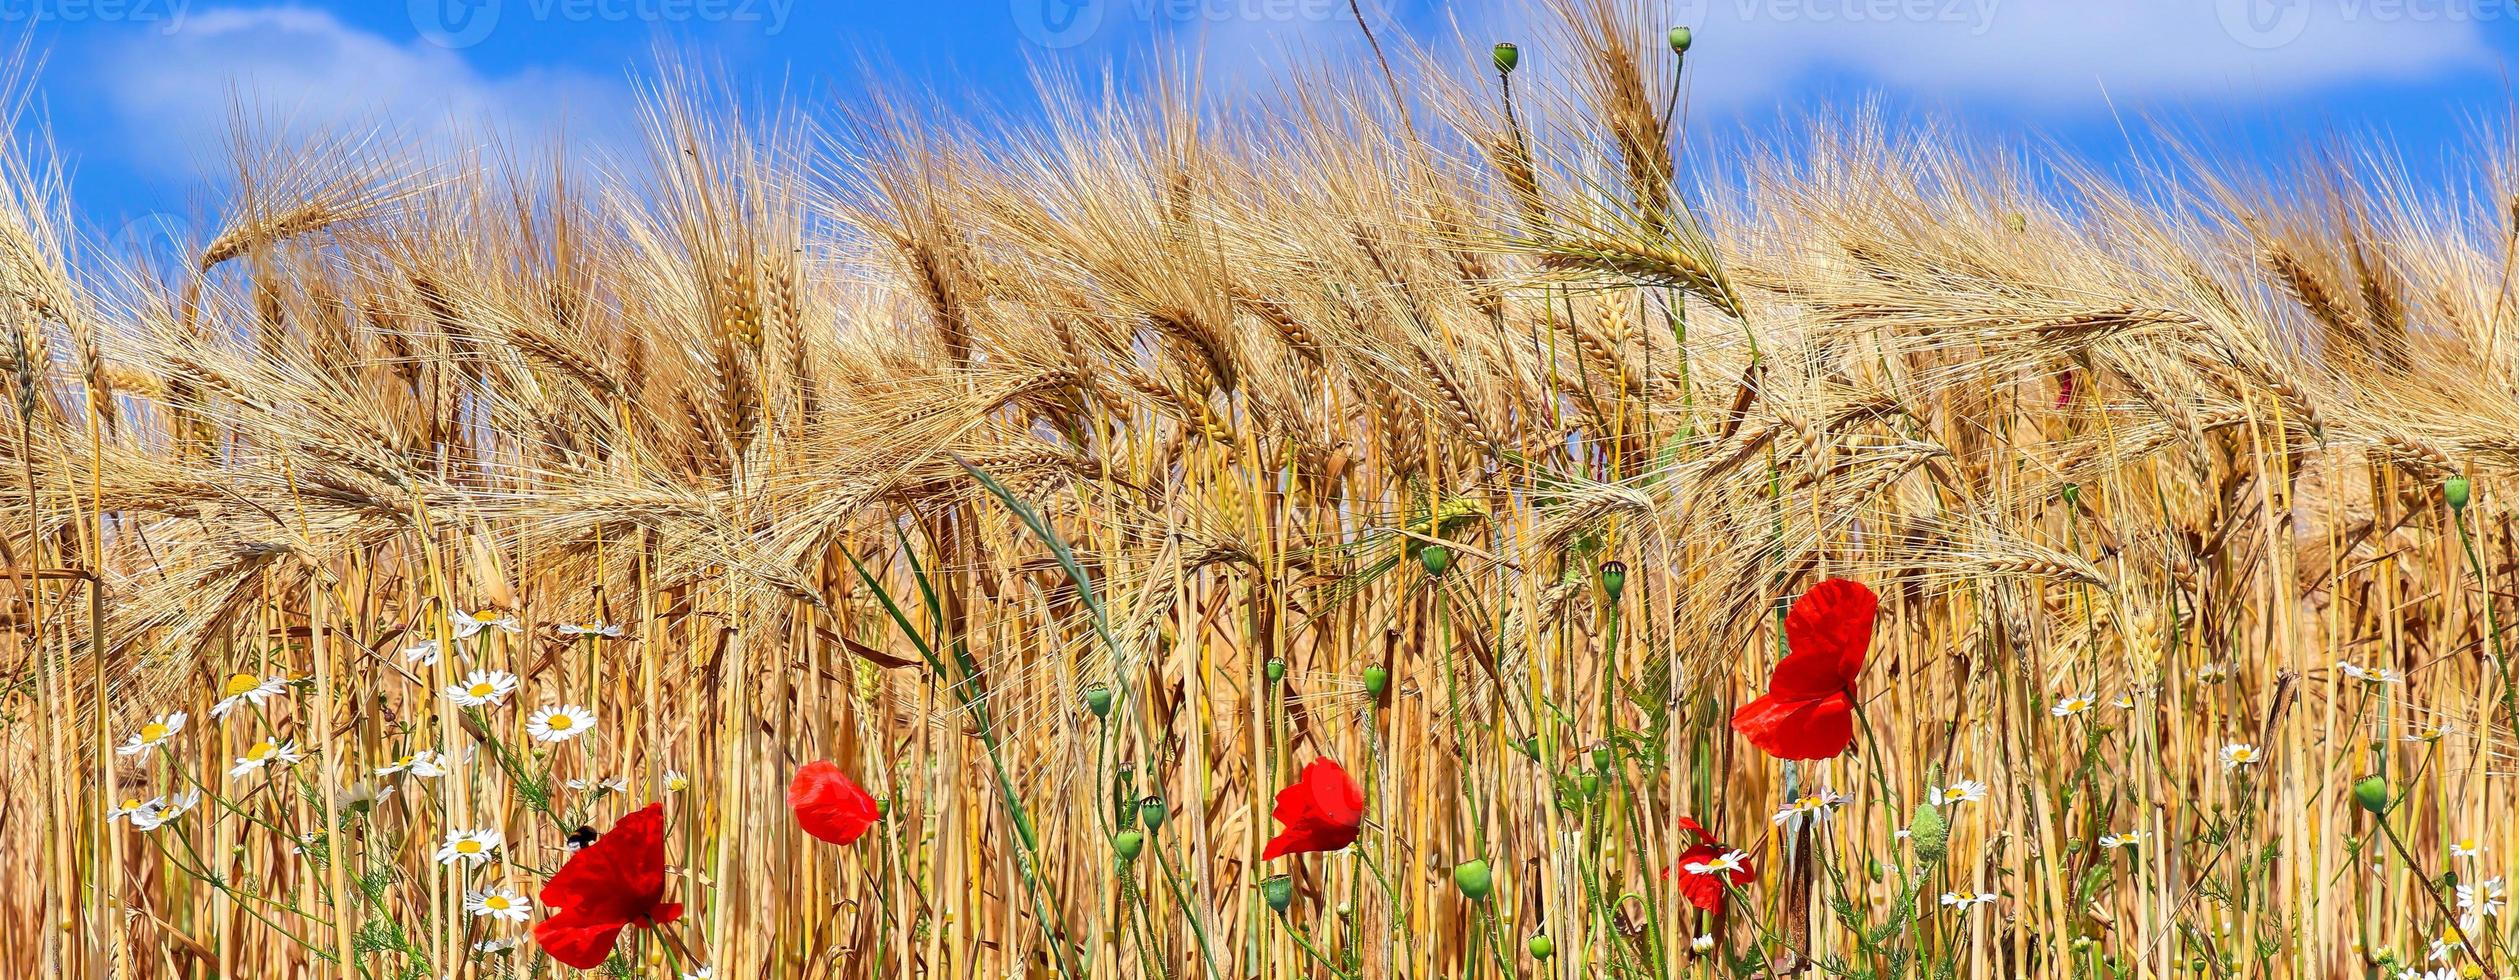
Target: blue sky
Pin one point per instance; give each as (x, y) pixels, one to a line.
(137, 93)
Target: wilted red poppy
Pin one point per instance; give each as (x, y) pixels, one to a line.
(1703, 890)
(617, 881)
(1808, 711)
(1321, 811)
(829, 805)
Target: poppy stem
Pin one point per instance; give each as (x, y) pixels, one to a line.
(674, 942)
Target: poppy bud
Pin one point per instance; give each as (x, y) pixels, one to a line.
(883, 807)
(1154, 811)
(2372, 794)
(1475, 879)
(1542, 947)
(1276, 670)
(1928, 833)
(1279, 891)
(1601, 755)
(2457, 491)
(1436, 558)
(1613, 579)
(1681, 39)
(1508, 57)
(1376, 681)
(1098, 699)
(1130, 844)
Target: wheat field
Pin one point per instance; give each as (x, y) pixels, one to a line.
(1075, 483)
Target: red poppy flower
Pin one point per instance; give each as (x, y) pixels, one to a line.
(1706, 891)
(1808, 711)
(1321, 811)
(829, 805)
(617, 881)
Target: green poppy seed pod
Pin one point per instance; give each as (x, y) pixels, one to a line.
(1154, 811)
(1591, 783)
(1681, 38)
(1928, 833)
(883, 807)
(1376, 681)
(1601, 756)
(1613, 579)
(1130, 844)
(1436, 558)
(2457, 491)
(2372, 794)
(1508, 58)
(1279, 891)
(1529, 747)
(1276, 670)
(1477, 881)
(1542, 947)
(1098, 699)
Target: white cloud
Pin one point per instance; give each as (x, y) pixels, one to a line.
(175, 94)
(2063, 54)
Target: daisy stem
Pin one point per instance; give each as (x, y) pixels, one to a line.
(2437, 901)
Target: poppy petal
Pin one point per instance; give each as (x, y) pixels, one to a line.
(1806, 729)
(1833, 621)
(576, 940)
(829, 805)
(1322, 811)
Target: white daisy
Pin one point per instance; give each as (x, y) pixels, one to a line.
(2445, 947)
(2238, 754)
(498, 944)
(482, 687)
(244, 689)
(2070, 706)
(2431, 733)
(499, 903)
(468, 624)
(675, 781)
(2466, 847)
(152, 734)
(131, 808)
(425, 762)
(471, 846)
(1814, 805)
(2368, 675)
(1963, 791)
(1702, 943)
(423, 654)
(2125, 701)
(162, 811)
(559, 722)
(2479, 901)
(362, 795)
(266, 753)
(1727, 862)
(1963, 901)
(609, 784)
(2131, 838)
(703, 973)
(2212, 673)
(604, 631)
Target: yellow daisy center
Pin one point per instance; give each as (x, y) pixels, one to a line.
(152, 732)
(260, 751)
(130, 804)
(561, 723)
(242, 683)
(483, 690)
(495, 903)
(467, 847)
